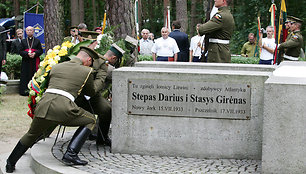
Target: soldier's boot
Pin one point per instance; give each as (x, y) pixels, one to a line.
(16, 154)
(71, 156)
(103, 138)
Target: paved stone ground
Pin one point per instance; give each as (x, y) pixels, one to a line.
(102, 160)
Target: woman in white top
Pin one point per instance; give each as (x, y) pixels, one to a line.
(267, 46)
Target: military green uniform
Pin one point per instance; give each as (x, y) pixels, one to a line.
(292, 46)
(248, 49)
(57, 106)
(220, 29)
(99, 104)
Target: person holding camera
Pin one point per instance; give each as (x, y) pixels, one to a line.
(75, 36)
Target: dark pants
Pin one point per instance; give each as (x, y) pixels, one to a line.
(41, 125)
(167, 59)
(196, 59)
(265, 62)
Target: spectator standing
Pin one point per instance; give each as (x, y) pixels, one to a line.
(151, 37)
(16, 44)
(30, 51)
(196, 47)
(74, 35)
(181, 39)
(220, 29)
(248, 48)
(267, 46)
(145, 45)
(2, 48)
(82, 27)
(165, 47)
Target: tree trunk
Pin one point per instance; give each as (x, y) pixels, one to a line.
(81, 11)
(140, 16)
(27, 4)
(181, 14)
(94, 13)
(125, 23)
(193, 16)
(74, 4)
(53, 22)
(16, 11)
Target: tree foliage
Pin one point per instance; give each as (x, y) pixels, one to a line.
(151, 13)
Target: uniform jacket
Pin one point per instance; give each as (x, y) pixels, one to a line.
(293, 44)
(73, 78)
(99, 73)
(221, 26)
(2, 44)
(181, 39)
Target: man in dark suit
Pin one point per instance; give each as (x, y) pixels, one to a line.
(30, 51)
(2, 47)
(181, 39)
(16, 44)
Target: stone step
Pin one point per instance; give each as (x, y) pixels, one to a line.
(44, 162)
(40, 160)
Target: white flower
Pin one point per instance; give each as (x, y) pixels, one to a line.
(52, 62)
(56, 51)
(32, 92)
(49, 51)
(57, 58)
(64, 47)
(37, 98)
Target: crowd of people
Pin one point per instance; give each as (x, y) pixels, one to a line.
(74, 94)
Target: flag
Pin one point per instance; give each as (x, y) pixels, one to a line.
(37, 22)
(256, 52)
(272, 10)
(281, 29)
(136, 19)
(282, 19)
(168, 25)
(104, 22)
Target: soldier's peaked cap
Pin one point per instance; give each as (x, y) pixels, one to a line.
(117, 50)
(294, 19)
(92, 53)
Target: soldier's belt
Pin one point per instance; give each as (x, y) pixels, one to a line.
(61, 92)
(219, 41)
(290, 57)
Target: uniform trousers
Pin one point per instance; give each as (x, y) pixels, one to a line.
(40, 125)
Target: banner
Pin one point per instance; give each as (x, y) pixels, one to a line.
(36, 21)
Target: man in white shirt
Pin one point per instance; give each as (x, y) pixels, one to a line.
(196, 47)
(145, 44)
(267, 46)
(165, 48)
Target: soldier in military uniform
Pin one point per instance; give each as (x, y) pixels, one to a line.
(220, 29)
(99, 104)
(294, 42)
(57, 106)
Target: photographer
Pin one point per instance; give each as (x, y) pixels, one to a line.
(75, 37)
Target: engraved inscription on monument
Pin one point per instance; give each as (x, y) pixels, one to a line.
(189, 99)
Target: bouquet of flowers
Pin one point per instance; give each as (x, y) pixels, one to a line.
(39, 82)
